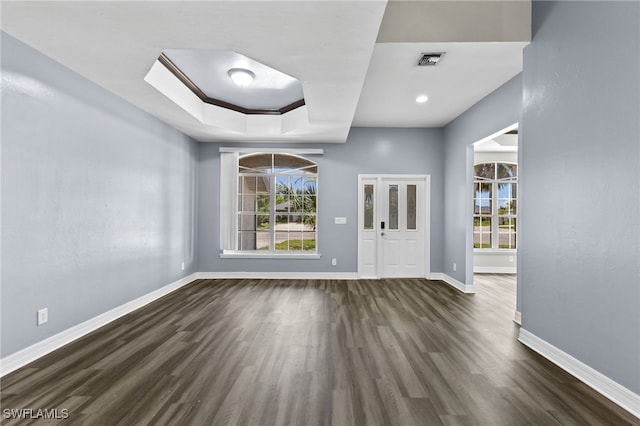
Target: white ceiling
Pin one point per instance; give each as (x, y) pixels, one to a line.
(465, 74)
(356, 62)
(501, 143)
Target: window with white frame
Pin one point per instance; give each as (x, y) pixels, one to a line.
(495, 202)
(276, 203)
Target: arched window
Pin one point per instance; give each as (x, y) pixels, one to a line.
(277, 203)
(495, 202)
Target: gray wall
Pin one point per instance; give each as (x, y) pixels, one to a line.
(368, 150)
(97, 199)
(579, 268)
(495, 112)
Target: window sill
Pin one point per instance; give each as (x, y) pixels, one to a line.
(510, 252)
(230, 254)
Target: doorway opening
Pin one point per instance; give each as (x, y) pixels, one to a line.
(495, 206)
(393, 226)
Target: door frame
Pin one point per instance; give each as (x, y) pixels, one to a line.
(427, 218)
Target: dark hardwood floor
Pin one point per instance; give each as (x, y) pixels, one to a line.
(315, 352)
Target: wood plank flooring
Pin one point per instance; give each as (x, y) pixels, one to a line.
(314, 352)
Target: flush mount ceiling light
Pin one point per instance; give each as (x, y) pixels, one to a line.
(422, 99)
(241, 76)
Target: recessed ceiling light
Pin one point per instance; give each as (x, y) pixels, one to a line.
(422, 99)
(241, 76)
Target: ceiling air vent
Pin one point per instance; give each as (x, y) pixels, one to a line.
(429, 59)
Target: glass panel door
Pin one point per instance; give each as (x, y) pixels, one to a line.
(368, 206)
(411, 207)
(393, 207)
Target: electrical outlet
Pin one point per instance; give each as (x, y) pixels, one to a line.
(334, 261)
(455, 267)
(182, 266)
(43, 316)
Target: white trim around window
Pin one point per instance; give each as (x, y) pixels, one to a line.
(229, 165)
(237, 254)
(296, 151)
(228, 201)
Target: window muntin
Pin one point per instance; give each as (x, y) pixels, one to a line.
(277, 203)
(483, 207)
(276, 164)
(495, 205)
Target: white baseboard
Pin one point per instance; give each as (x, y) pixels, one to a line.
(465, 288)
(495, 270)
(517, 317)
(278, 275)
(614, 391)
(25, 356)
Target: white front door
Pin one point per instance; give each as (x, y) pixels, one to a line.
(393, 226)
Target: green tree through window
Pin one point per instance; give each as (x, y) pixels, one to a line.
(495, 205)
(277, 203)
